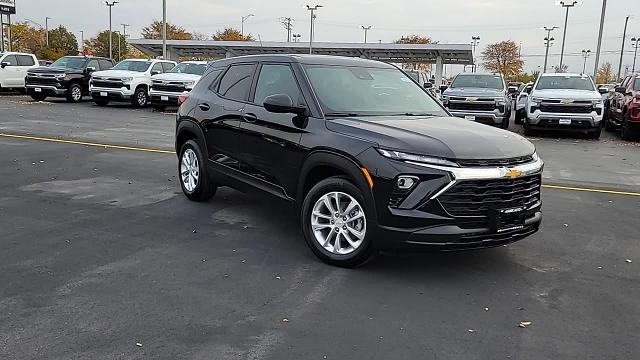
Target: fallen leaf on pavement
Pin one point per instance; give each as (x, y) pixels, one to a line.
(524, 324)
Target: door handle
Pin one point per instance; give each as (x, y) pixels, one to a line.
(249, 117)
(204, 107)
(274, 141)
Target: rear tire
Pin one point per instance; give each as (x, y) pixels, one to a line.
(322, 228)
(192, 170)
(38, 97)
(140, 98)
(74, 94)
(608, 125)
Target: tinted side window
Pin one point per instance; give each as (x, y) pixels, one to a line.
(93, 64)
(210, 79)
(277, 79)
(236, 83)
(105, 64)
(157, 67)
(11, 60)
(25, 60)
(167, 66)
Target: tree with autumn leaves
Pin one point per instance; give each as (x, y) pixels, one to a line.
(503, 58)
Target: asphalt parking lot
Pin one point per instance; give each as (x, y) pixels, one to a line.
(101, 257)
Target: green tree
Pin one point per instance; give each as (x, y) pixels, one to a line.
(605, 74)
(26, 38)
(174, 32)
(231, 34)
(99, 46)
(63, 41)
(503, 58)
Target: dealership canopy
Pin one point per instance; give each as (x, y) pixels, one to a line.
(438, 54)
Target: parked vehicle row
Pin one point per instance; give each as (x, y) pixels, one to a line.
(624, 108)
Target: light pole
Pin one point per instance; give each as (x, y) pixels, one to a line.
(244, 18)
(366, 28)
(566, 5)
(82, 40)
(585, 55)
(624, 38)
(164, 29)
(124, 35)
(119, 42)
(604, 11)
(548, 41)
(313, 17)
(636, 43)
(110, 5)
(46, 28)
(475, 42)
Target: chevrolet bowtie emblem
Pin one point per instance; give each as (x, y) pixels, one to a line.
(472, 99)
(513, 174)
(567, 101)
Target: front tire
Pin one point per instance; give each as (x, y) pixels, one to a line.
(192, 169)
(74, 94)
(140, 98)
(595, 134)
(337, 226)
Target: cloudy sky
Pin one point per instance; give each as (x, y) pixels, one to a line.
(447, 21)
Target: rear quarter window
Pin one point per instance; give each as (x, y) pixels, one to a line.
(26, 60)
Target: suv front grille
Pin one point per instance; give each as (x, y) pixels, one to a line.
(108, 84)
(475, 199)
(473, 106)
(176, 88)
(566, 109)
(495, 162)
(41, 81)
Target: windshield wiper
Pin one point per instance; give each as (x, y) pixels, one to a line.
(341, 114)
(414, 114)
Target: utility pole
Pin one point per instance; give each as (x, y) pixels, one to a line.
(624, 38)
(604, 11)
(46, 29)
(296, 38)
(286, 22)
(124, 35)
(119, 48)
(567, 5)
(636, 43)
(164, 29)
(475, 42)
(244, 18)
(313, 17)
(548, 41)
(585, 55)
(110, 5)
(366, 28)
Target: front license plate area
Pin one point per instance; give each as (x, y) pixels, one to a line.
(504, 220)
(470, 117)
(104, 94)
(38, 90)
(564, 121)
(164, 98)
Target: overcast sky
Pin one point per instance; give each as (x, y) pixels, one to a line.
(447, 21)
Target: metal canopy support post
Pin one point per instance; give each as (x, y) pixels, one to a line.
(1, 32)
(439, 68)
(10, 40)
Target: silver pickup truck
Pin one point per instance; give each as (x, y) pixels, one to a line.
(479, 97)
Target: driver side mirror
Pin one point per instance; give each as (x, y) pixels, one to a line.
(443, 87)
(155, 72)
(428, 85)
(603, 90)
(512, 89)
(621, 90)
(282, 104)
(4, 64)
(90, 69)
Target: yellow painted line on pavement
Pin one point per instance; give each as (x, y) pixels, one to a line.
(133, 148)
(86, 143)
(602, 191)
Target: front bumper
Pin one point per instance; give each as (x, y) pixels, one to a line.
(486, 117)
(164, 98)
(48, 90)
(436, 213)
(121, 94)
(563, 121)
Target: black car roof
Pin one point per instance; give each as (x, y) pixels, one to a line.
(305, 59)
(88, 57)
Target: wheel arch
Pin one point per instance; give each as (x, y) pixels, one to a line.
(189, 130)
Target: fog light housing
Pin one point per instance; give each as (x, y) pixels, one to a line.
(406, 182)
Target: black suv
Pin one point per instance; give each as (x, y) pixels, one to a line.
(370, 158)
(67, 77)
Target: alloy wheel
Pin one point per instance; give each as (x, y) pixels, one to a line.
(189, 170)
(76, 93)
(339, 223)
(142, 98)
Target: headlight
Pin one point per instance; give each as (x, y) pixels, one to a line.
(445, 99)
(127, 80)
(598, 102)
(535, 156)
(396, 155)
(501, 101)
(59, 76)
(636, 100)
(189, 83)
(535, 101)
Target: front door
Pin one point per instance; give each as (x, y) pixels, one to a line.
(270, 141)
(11, 72)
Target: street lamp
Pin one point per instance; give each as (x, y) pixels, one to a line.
(313, 17)
(164, 29)
(110, 5)
(475, 42)
(548, 41)
(585, 55)
(244, 18)
(636, 43)
(567, 5)
(366, 28)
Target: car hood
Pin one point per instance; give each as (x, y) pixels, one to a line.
(446, 137)
(176, 77)
(478, 92)
(54, 70)
(117, 74)
(567, 94)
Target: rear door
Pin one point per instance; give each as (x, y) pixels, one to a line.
(25, 62)
(271, 150)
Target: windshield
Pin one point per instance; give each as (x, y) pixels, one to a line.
(190, 68)
(369, 91)
(564, 82)
(69, 63)
(478, 81)
(636, 84)
(129, 65)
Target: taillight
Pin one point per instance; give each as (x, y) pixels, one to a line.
(182, 98)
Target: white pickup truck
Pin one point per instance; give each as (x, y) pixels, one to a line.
(166, 88)
(128, 81)
(567, 102)
(13, 69)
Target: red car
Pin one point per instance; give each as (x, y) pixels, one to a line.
(624, 108)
